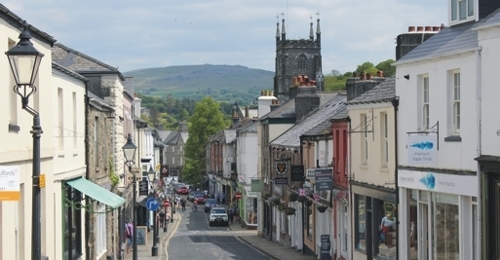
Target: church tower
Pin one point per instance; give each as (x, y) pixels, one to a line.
(296, 57)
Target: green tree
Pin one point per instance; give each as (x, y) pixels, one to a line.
(206, 120)
(367, 67)
(387, 68)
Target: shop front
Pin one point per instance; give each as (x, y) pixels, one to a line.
(438, 215)
(371, 205)
(342, 223)
(249, 208)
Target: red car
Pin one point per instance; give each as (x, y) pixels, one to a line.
(182, 190)
(200, 198)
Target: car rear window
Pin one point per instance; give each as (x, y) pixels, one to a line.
(218, 211)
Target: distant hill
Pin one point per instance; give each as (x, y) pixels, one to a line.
(232, 83)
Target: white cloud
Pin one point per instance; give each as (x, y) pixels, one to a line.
(142, 34)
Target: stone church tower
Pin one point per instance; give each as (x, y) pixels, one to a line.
(296, 57)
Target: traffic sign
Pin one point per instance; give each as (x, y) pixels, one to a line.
(166, 203)
(152, 204)
(41, 181)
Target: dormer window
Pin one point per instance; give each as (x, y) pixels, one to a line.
(462, 10)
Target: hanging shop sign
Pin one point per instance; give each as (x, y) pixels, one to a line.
(422, 149)
(297, 172)
(9, 183)
(256, 185)
(281, 167)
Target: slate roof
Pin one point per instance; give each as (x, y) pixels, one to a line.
(217, 136)
(325, 127)
(174, 137)
(291, 138)
(491, 20)
(383, 92)
(287, 109)
(69, 72)
(450, 40)
(17, 22)
(80, 62)
(163, 134)
(341, 115)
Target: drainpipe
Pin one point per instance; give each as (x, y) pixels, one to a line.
(302, 203)
(479, 237)
(87, 175)
(395, 104)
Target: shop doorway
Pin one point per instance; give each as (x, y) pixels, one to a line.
(423, 232)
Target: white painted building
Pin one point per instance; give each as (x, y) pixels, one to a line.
(437, 172)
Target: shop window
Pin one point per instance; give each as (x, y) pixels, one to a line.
(343, 227)
(72, 216)
(413, 224)
(445, 227)
(360, 228)
(100, 229)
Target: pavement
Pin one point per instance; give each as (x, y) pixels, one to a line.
(271, 249)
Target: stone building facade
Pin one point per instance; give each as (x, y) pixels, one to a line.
(296, 57)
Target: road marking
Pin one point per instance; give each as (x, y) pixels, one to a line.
(174, 229)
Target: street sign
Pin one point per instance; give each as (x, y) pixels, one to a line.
(41, 181)
(130, 177)
(166, 203)
(152, 204)
(237, 195)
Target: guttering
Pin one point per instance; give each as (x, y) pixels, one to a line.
(87, 173)
(436, 57)
(479, 237)
(395, 104)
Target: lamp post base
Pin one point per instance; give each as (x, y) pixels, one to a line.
(154, 250)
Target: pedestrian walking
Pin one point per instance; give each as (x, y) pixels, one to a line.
(162, 218)
(183, 204)
(223, 198)
(230, 214)
(129, 234)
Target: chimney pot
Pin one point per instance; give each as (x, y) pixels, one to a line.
(355, 74)
(428, 28)
(420, 28)
(368, 76)
(380, 74)
(435, 28)
(362, 75)
(411, 28)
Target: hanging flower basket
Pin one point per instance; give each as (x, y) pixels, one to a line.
(265, 196)
(293, 197)
(321, 208)
(281, 206)
(275, 201)
(290, 211)
(309, 203)
(301, 198)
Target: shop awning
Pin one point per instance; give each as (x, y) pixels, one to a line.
(96, 192)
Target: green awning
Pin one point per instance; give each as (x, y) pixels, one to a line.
(96, 192)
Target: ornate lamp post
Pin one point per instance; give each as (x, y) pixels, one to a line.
(154, 248)
(24, 62)
(129, 152)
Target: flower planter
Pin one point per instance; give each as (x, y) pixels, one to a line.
(321, 208)
(275, 201)
(309, 203)
(281, 207)
(290, 211)
(301, 198)
(293, 197)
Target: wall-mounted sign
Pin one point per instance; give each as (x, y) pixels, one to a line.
(311, 172)
(281, 167)
(439, 182)
(297, 172)
(324, 179)
(281, 181)
(422, 149)
(256, 185)
(9, 183)
(143, 188)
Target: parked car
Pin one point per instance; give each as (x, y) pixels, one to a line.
(209, 204)
(218, 215)
(182, 190)
(200, 199)
(192, 194)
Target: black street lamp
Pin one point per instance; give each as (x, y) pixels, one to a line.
(129, 152)
(172, 204)
(24, 62)
(154, 248)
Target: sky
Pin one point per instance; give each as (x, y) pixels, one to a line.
(133, 34)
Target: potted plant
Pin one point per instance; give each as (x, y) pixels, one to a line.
(265, 196)
(301, 198)
(275, 201)
(309, 203)
(290, 211)
(293, 197)
(321, 208)
(281, 206)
